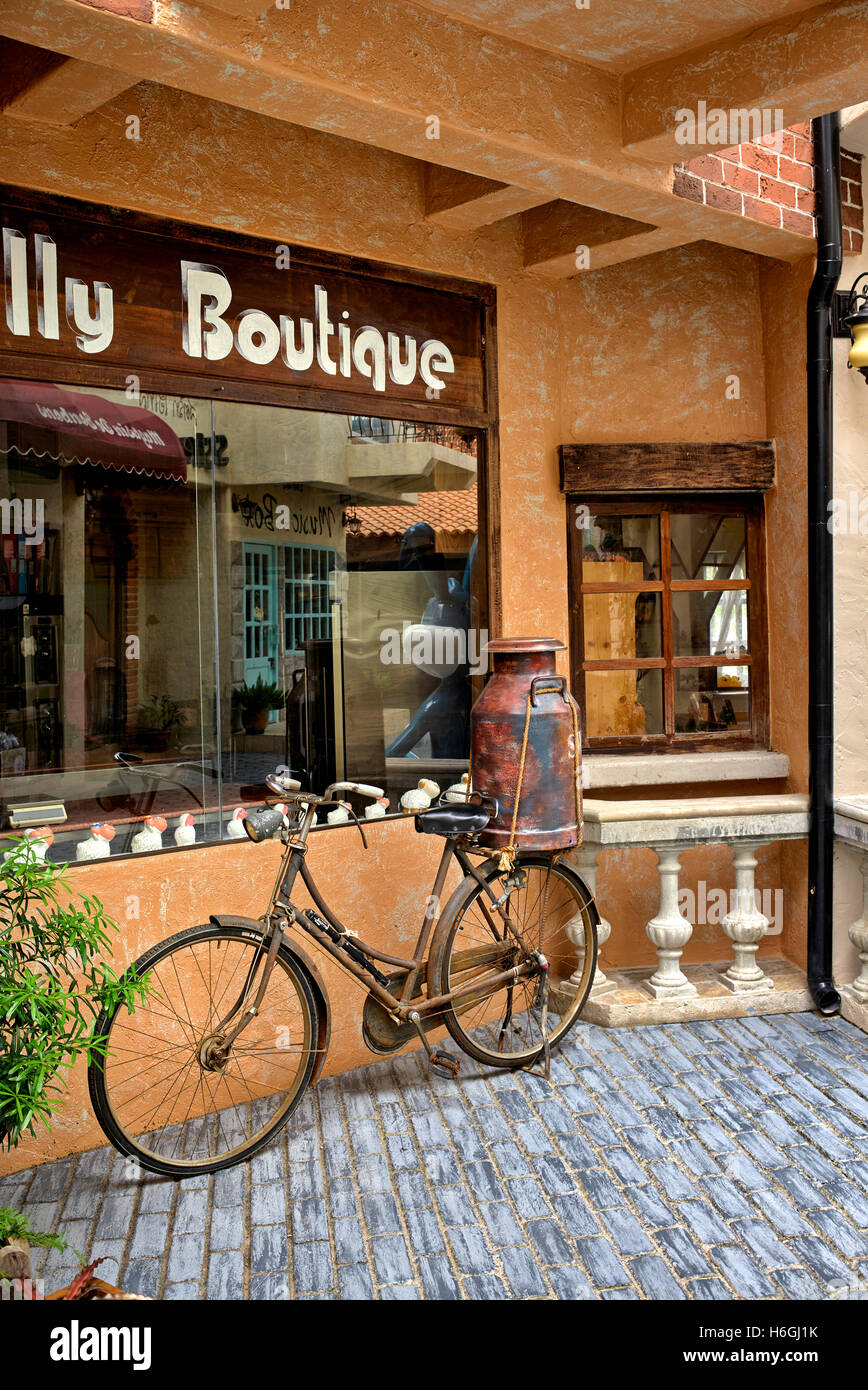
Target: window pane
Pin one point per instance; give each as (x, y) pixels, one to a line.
(708, 546)
(622, 625)
(616, 549)
(712, 623)
(367, 608)
(621, 703)
(712, 699)
(106, 617)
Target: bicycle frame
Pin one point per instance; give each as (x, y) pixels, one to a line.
(363, 970)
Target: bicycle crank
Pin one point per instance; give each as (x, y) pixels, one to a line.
(441, 1062)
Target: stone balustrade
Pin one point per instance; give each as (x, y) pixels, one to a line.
(851, 830)
(670, 828)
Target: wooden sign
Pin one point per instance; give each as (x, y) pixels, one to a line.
(740, 467)
(90, 292)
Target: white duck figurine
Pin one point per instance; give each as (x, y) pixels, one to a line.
(39, 841)
(415, 800)
(377, 809)
(185, 834)
(459, 790)
(235, 825)
(431, 789)
(340, 815)
(98, 843)
(150, 837)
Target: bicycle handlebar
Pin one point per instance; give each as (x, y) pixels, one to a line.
(362, 788)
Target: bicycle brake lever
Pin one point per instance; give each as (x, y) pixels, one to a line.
(359, 825)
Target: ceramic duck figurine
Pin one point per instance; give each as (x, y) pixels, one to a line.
(340, 815)
(415, 800)
(185, 833)
(150, 837)
(98, 843)
(377, 809)
(234, 826)
(458, 790)
(39, 841)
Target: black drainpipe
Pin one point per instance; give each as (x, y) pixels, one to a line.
(827, 183)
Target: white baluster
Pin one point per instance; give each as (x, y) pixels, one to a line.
(858, 934)
(669, 930)
(745, 925)
(585, 859)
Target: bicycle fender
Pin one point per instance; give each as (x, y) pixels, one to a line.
(225, 919)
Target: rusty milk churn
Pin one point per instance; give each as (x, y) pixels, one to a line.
(527, 708)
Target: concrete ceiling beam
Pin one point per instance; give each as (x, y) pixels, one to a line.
(521, 118)
(561, 240)
(463, 202)
(65, 91)
(245, 9)
(800, 66)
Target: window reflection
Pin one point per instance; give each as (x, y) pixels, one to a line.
(193, 608)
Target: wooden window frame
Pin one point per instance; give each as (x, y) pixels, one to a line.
(752, 505)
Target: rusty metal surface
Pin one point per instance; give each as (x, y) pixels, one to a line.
(547, 807)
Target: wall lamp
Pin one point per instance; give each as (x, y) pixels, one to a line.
(850, 320)
(353, 522)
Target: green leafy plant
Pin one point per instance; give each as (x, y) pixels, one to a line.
(54, 979)
(259, 696)
(162, 716)
(14, 1226)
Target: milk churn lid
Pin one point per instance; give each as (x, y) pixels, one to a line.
(526, 644)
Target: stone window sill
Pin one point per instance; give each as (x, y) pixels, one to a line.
(600, 770)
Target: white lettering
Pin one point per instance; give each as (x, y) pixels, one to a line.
(253, 325)
(368, 343)
(95, 330)
(435, 357)
(324, 329)
(15, 278)
(206, 293)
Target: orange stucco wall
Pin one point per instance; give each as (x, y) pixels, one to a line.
(640, 351)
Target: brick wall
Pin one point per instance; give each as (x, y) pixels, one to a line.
(773, 181)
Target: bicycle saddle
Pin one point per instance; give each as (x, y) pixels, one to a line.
(458, 818)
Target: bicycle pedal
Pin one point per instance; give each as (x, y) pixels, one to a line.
(444, 1063)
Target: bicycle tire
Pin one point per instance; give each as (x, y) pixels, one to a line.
(100, 1071)
(448, 967)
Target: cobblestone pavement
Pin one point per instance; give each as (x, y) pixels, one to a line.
(713, 1161)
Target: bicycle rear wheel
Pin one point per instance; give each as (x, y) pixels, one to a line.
(164, 1094)
(510, 1024)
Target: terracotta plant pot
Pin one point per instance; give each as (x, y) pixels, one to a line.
(255, 721)
(15, 1258)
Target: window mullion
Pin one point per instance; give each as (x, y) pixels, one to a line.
(668, 644)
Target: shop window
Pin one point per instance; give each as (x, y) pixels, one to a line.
(668, 621)
(146, 594)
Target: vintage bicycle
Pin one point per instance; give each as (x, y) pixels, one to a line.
(208, 1069)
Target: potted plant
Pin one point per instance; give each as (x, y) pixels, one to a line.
(254, 702)
(160, 722)
(54, 979)
(16, 1239)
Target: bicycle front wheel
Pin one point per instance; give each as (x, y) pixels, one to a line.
(553, 914)
(166, 1093)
